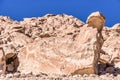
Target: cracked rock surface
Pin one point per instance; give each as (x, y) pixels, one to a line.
(60, 44)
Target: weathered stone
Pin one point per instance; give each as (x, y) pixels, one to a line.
(16, 75)
(9, 75)
(15, 35)
(112, 45)
(96, 20)
(60, 43)
(116, 26)
(63, 55)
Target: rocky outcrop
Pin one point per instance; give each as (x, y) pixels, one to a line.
(60, 44)
(116, 27)
(96, 20)
(63, 47)
(64, 55)
(51, 25)
(112, 45)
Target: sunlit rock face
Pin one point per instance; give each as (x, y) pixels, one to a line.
(96, 20)
(64, 54)
(60, 44)
(112, 44)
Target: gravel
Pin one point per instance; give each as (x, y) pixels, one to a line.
(43, 76)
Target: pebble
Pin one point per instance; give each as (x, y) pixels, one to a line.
(2, 76)
(17, 75)
(76, 76)
(23, 75)
(92, 75)
(38, 75)
(85, 75)
(10, 75)
(30, 76)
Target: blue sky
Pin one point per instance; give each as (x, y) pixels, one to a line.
(19, 9)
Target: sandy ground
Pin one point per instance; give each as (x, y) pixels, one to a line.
(42, 76)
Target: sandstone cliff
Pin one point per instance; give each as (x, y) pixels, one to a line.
(59, 44)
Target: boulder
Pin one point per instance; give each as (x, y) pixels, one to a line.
(69, 54)
(96, 20)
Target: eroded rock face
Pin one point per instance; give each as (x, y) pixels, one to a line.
(64, 55)
(51, 25)
(59, 44)
(116, 26)
(112, 45)
(96, 20)
(17, 35)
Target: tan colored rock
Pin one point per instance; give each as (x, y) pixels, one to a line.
(15, 35)
(51, 25)
(56, 35)
(8, 62)
(112, 45)
(96, 20)
(116, 26)
(62, 55)
(60, 43)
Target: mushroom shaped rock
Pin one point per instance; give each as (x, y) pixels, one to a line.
(96, 20)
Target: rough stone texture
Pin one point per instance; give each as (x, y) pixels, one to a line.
(116, 26)
(51, 25)
(96, 20)
(60, 44)
(64, 54)
(112, 45)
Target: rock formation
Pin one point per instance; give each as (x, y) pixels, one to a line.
(60, 44)
(64, 54)
(3, 62)
(96, 20)
(112, 45)
(8, 62)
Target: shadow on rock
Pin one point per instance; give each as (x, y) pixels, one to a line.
(108, 68)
